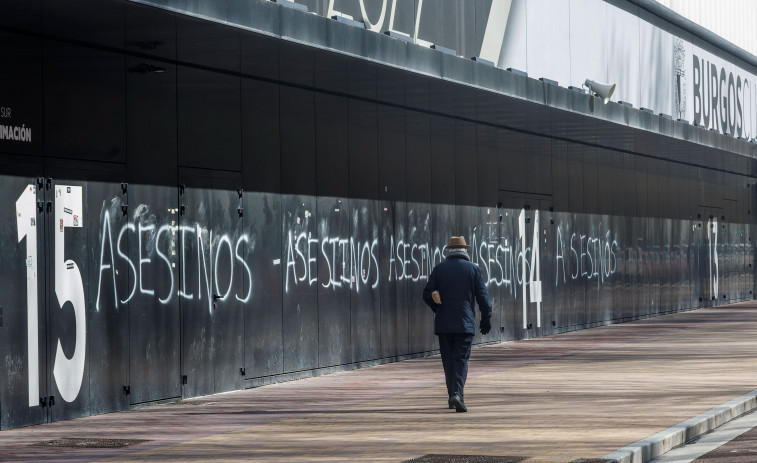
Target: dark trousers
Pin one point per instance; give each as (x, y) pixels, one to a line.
(455, 350)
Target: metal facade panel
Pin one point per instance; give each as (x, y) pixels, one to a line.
(230, 278)
(334, 281)
(68, 242)
(392, 286)
(546, 242)
(75, 100)
(602, 255)
(420, 317)
(197, 313)
(264, 341)
(666, 276)
(23, 295)
(108, 318)
(154, 320)
(23, 74)
(297, 137)
(365, 279)
(562, 280)
(619, 266)
(300, 302)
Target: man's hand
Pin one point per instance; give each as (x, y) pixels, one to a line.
(436, 297)
(485, 325)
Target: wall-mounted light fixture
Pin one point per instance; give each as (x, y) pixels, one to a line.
(145, 68)
(600, 89)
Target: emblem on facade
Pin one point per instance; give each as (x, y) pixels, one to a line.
(679, 78)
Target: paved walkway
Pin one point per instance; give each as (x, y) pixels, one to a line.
(554, 399)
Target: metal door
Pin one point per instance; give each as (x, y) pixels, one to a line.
(151, 237)
(24, 392)
(67, 294)
(213, 289)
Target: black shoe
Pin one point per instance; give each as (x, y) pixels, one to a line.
(458, 403)
(449, 402)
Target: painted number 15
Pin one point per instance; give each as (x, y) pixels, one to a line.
(68, 372)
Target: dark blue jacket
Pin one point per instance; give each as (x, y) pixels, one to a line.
(459, 282)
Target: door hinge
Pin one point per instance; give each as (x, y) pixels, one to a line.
(49, 184)
(43, 402)
(124, 188)
(125, 208)
(127, 390)
(51, 400)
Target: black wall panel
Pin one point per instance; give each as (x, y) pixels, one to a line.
(331, 145)
(297, 135)
(84, 111)
(22, 107)
(67, 308)
(264, 341)
(197, 313)
(261, 162)
(108, 323)
(575, 175)
(154, 319)
(334, 277)
(394, 286)
(466, 170)
(230, 278)
(300, 266)
(442, 167)
(24, 304)
(486, 165)
(590, 180)
(261, 141)
(418, 157)
(362, 149)
(420, 317)
(203, 43)
(150, 114)
(209, 120)
(365, 317)
(391, 153)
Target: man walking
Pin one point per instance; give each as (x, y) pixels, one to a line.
(450, 292)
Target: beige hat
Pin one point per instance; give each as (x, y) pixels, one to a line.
(456, 242)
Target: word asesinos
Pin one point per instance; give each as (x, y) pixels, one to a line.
(162, 240)
(349, 261)
(588, 257)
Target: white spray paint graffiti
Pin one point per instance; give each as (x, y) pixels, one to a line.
(712, 231)
(154, 249)
(590, 257)
(505, 257)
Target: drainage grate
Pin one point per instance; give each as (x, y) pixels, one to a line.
(187, 402)
(432, 458)
(89, 443)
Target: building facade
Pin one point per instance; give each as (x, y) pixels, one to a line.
(205, 196)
